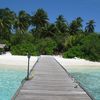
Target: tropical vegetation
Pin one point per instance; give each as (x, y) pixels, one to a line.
(35, 34)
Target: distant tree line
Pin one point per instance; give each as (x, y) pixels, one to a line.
(37, 35)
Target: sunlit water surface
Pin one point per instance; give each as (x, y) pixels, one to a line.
(10, 80)
(89, 77)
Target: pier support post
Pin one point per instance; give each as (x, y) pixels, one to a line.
(28, 55)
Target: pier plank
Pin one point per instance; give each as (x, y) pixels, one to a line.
(50, 82)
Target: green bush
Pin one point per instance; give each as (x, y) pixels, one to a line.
(46, 46)
(89, 48)
(23, 49)
(73, 52)
(42, 46)
(73, 40)
(21, 38)
(1, 50)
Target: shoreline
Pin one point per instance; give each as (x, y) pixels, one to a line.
(16, 62)
(20, 62)
(77, 63)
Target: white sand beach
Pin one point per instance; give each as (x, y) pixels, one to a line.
(76, 63)
(16, 62)
(20, 62)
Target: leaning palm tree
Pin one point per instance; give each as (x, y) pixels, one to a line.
(90, 26)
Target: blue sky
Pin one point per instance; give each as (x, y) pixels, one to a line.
(70, 9)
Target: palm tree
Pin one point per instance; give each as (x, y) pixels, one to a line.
(22, 22)
(40, 18)
(90, 26)
(60, 18)
(51, 30)
(61, 24)
(76, 26)
(79, 22)
(6, 22)
(1, 25)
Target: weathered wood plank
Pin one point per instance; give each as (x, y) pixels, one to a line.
(51, 82)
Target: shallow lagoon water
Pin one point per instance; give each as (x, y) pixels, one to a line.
(89, 78)
(10, 80)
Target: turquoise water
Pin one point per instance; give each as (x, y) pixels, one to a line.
(10, 80)
(90, 79)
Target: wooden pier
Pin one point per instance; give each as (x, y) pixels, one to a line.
(50, 82)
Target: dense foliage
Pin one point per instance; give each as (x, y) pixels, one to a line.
(34, 34)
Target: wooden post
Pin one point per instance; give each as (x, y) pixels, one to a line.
(28, 55)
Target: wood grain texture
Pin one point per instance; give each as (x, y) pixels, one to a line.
(51, 82)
